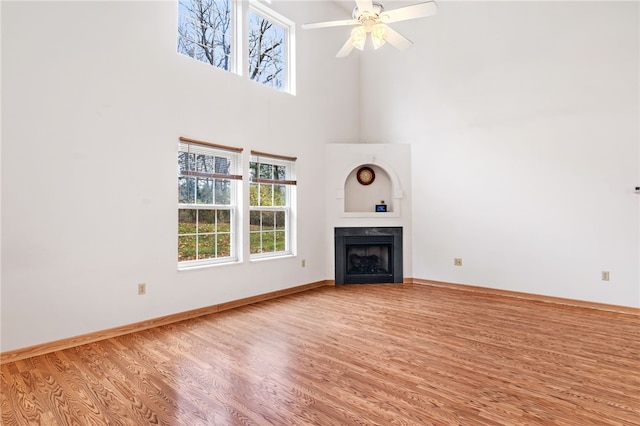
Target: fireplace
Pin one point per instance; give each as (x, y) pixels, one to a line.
(368, 255)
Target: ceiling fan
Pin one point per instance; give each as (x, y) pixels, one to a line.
(370, 17)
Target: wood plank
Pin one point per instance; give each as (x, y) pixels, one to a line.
(347, 355)
(71, 342)
(529, 296)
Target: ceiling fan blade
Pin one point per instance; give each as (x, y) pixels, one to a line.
(329, 24)
(397, 40)
(346, 49)
(419, 10)
(364, 5)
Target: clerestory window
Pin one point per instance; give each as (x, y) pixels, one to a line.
(269, 47)
(205, 32)
(212, 31)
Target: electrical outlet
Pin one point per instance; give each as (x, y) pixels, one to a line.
(304, 263)
(142, 288)
(605, 275)
(457, 261)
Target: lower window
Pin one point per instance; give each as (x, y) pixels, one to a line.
(271, 204)
(204, 234)
(207, 192)
(268, 231)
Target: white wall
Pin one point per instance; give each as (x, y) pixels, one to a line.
(523, 120)
(94, 100)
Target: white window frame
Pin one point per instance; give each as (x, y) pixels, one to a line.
(235, 181)
(289, 209)
(289, 27)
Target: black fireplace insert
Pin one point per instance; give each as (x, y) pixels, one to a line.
(369, 255)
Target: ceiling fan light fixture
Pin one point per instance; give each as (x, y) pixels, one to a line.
(370, 17)
(358, 37)
(378, 35)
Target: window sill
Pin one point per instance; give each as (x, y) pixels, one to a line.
(278, 256)
(207, 265)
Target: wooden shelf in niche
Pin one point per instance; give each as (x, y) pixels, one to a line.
(370, 215)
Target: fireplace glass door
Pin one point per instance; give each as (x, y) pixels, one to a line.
(368, 255)
(364, 260)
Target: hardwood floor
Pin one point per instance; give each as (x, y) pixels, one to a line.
(347, 355)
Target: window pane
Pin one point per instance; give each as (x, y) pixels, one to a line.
(266, 194)
(255, 220)
(268, 242)
(279, 172)
(186, 248)
(268, 220)
(224, 245)
(204, 163)
(253, 194)
(191, 161)
(204, 191)
(266, 51)
(183, 161)
(186, 190)
(224, 220)
(186, 221)
(186, 47)
(223, 191)
(280, 241)
(204, 30)
(255, 234)
(203, 53)
(255, 244)
(279, 195)
(266, 171)
(206, 246)
(280, 220)
(221, 57)
(206, 221)
(207, 36)
(183, 7)
(222, 165)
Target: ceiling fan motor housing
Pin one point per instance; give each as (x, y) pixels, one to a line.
(368, 15)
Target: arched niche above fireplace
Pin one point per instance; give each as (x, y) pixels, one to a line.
(361, 197)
